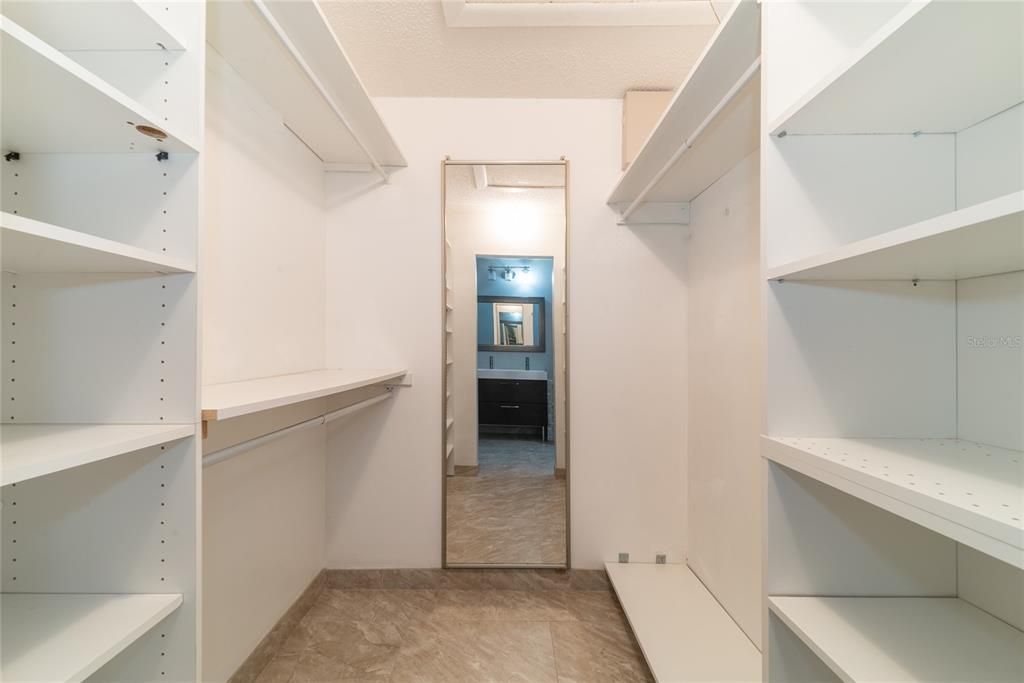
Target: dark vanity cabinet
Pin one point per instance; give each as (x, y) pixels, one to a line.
(514, 403)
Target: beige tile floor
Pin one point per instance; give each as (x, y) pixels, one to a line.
(455, 634)
(512, 511)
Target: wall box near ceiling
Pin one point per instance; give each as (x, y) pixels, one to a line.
(895, 455)
(641, 111)
(98, 233)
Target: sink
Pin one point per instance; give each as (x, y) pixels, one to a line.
(511, 374)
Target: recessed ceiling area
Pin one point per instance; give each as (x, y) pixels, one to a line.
(404, 48)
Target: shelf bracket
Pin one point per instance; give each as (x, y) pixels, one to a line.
(655, 213)
(162, 156)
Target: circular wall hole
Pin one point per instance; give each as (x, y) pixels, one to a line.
(150, 131)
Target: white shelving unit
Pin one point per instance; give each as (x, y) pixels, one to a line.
(893, 219)
(710, 125)
(897, 640)
(69, 637)
(234, 399)
(684, 633)
(98, 305)
(448, 371)
(290, 54)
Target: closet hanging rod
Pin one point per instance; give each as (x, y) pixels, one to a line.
(319, 86)
(688, 143)
(239, 448)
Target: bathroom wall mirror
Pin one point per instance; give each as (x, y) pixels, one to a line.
(510, 324)
(504, 418)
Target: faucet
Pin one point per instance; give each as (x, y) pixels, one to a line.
(527, 362)
(490, 362)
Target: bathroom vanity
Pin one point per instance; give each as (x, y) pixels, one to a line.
(513, 398)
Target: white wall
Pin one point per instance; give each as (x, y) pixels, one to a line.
(627, 384)
(263, 314)
(724, 423)
(476, 230)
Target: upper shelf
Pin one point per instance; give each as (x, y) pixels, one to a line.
(232, 399)
(321, 98)
(711, 124)
(971, 492)
(936, 67)
(31, 246)
(95, 24)
(984, 239)
(51, 104)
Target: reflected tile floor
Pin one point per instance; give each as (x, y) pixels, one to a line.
(512, 511)
(453, 635)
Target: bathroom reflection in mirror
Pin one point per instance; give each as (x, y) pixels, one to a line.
(505, 444)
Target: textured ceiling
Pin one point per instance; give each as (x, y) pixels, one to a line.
(402, 48)
(461, 192)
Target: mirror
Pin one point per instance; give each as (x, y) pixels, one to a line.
(510, 324)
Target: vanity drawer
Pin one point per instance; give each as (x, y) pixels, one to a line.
(514, 390)
(513, 413)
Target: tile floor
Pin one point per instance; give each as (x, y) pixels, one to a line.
(460, 626)
(512, 511)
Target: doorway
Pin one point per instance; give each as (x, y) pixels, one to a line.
(505, 446)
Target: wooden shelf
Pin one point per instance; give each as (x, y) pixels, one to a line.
(232, 399)
(95, 24)
(895, 640)
(67, 637)
(34, 450)
(30, 246)
(684, 633)
(731, 134)
(921, 72)
(967, 491)
(51, 104)
(245, 39)
(984, 239)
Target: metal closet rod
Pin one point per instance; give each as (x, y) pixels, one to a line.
(319, 85)
(688, 143)
(239, 448)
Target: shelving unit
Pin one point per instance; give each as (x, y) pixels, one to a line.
(710, 125)
(30, 246)
(233, 399)
(896, 640)
(684, 633)
(33, 450)
(69, 637)
(290, 54)
(448, 369)
(984, 239)
(98, 301)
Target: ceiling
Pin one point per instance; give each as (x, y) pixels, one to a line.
(463, 192)
(403, 48)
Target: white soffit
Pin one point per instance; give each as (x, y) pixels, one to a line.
(551, 13)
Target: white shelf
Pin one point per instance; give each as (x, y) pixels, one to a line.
(240, 33)
(449, 423)
(684, 633)
(731, 134)
(968, 491)
(53, 105)
(30, 246)
(67, 637)
(34, 450)
(935, 67)
(895, 640)
(450, 450)
(984, 239)
(95, 24)
(232, 399)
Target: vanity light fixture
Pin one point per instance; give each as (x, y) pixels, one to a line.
(508, 273)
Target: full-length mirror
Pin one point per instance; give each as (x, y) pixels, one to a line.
(505, 443)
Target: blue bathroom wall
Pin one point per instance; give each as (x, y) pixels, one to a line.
(540, 284)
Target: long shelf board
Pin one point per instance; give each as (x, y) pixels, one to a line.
(897, 640)
(53, 105)
(731, 135)
(34, 450)
(240, 33)
(232, 399)
(80, 25)
(971, 492)
(68, 637)
(920, 73)
(684, 633)
(984, 239)
(31, 246)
